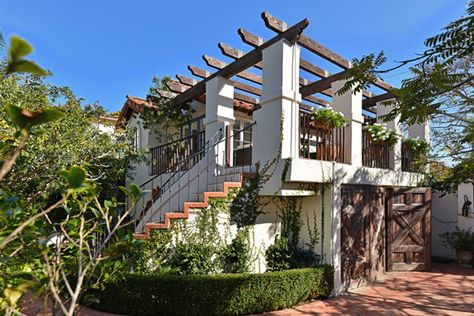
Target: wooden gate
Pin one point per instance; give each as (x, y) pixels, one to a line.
(409, 229)
(362, 234)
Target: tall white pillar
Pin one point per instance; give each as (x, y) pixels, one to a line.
(350, 104)
(395, 159)
(421, 130)
(276, 132)
(219, 114)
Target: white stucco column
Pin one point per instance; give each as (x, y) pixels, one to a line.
(395, 159)
(421, 131)
(276, 132)
(219, 112)
(336, 252)
(350, 104)
(278, 119)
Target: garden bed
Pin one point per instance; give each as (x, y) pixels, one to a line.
(220, 294)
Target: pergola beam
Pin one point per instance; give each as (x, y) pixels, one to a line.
(201, 73)
(185, 83)
(253, 40)
(235, 53)
(218, 64)
(367, 103)
(280, 26)
(322, 84)
(292, 34)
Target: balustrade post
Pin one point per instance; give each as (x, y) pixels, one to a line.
(277, 128)
(350, 104)
(395, 155)
(421, 131)
(276, 134)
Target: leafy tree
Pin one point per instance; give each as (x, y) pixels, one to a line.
(57, 257)
(73, 140)
(440, 88)
(164, 115)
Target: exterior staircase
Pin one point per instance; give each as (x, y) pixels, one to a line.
(200, 176)
(202, 202)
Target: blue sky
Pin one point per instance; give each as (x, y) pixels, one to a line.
(105, 50)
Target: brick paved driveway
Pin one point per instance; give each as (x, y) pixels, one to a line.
(446, 290)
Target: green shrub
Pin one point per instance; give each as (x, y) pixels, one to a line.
(459, 239)
(279, 255)
(195, 258)
(237, 255)
(221, 294)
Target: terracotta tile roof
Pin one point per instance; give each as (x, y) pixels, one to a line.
(132, 105)
(243, 106)
(136, 105)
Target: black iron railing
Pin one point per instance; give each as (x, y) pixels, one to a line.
(165, 158)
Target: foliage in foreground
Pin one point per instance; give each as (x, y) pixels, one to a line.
(58, 231)
(222, 294)
(439, 89)
(459, 239)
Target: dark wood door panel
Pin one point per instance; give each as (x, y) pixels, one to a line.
(409, 229)
(362, 234)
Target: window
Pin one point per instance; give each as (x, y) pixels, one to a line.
(242, 139)
(193, 127)
(135, 138)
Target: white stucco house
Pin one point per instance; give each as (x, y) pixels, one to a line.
(256, 108)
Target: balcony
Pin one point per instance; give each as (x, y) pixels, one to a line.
(320, 144)
(329, 145)
(375, 154)
(166, 157)
(410, 160)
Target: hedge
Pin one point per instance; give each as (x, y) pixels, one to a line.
(220, 294)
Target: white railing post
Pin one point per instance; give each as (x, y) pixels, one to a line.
(350, 104)
(395, 158)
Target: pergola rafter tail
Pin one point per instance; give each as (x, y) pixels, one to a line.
(279, 26)
(235, 53)
(292, 34)
(254, 41)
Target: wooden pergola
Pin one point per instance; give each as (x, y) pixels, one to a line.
(185, 89)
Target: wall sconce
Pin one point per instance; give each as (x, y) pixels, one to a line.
(466, 207)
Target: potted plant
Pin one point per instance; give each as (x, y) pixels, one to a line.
(379, 133)
(462, 241)
(418, 152)
(419, 147)
(326, 119)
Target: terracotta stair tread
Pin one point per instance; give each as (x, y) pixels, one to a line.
(187, 206)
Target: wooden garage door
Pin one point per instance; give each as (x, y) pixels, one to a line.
(409, 229)
(362, 234)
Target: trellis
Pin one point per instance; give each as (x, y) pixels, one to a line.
(185, 89)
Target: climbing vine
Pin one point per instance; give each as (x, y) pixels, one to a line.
(289, 212)
(164, 113)
(248, 204)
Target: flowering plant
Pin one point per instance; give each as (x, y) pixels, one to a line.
(380, 133)
(327, 118)
(418, 145)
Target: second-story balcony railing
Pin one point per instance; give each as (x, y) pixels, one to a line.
(164, 158)
(320, 144)
(410, 160)
(375, 154)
